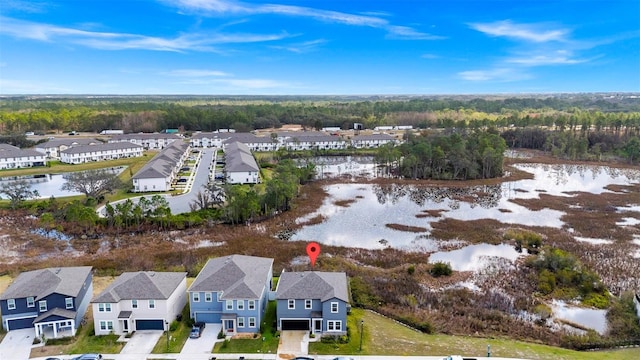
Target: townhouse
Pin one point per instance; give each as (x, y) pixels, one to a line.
(12, 157)
(99, 152)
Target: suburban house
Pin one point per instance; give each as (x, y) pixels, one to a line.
(313, 301)
(240, 167)
(144, 300)
(160, 172)
(53, 147)
(100, 152)
(232, 290)
(371, 141)
(148, 140)
(12, 157)
(51, 300)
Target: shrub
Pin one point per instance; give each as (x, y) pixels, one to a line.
(174, 325)
(220, 335)
(441, 269)
(411, 270)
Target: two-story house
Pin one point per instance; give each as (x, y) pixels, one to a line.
(233, 291)
(51, 300)
(313, 301)
(144, 300)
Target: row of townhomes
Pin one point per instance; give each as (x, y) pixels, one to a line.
(12, 157)
(52, 148)
(241, 167)
(160, 172)
(147, 140)
(309, 140)
(100, 152)
(231, 291)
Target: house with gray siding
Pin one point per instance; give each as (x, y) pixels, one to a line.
(51, 300)
(232, 291)
(313, 301)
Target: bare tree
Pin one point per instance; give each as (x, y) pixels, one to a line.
(92, 183)
(17, 192)
(211, 196)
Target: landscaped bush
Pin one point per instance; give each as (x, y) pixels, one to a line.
(174, 325)
(441, 269)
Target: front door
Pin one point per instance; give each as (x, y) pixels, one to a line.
(125, 325)
(229, 325)
(317, 325)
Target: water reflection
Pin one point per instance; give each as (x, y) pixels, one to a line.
(475, 257)
(590, 318)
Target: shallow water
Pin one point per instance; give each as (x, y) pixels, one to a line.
(475, 257)
(591, 318)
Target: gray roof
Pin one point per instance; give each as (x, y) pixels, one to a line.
(101, 147)
(164, 162)
(236, 276)
(313, 285)
(247, 138)
(44, 282)
(67, 314)
(10, 151)
(67, 142)
(315, 138)
(142, 285)
(238, 158)
(144, 136)
(211, 135)
(373, 137)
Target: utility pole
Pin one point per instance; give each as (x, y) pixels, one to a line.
(361, 333)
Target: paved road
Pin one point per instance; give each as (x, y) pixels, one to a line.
(16, 345)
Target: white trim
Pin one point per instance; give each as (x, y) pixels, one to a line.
(13, 304)
(66, 303)
(33, 301)
(249, 307)
(335, 322)
(195, 296)
(281, 319)
(5, 325)
(210, 295)
(289, 304)
(337, 304)
(310, 304)
(40, 303)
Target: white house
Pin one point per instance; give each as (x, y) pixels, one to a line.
(53, 147)
(158, 174)
(143, 300)
(254, 143)
(371, 141)
(100, 152)
(241, 167)
(12, 157)
(147, 140)
(314, 142)
(208, 139)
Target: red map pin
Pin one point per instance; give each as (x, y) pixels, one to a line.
(313, 250)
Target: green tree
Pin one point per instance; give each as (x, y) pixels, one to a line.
(17, 192)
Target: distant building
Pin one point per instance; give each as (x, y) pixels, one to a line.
(241, 167)
(147, 140)
(160, 172)
(371, 141)
(112, 132)
(53, 147)
(315, 142)
(12, 157)
(100, 152)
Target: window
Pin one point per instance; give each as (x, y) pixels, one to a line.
(31, 302)
(196, 297)
(152, 304)
(240, 304)
(240, 322)
(208, 297)
(42, 305)
(334, 325)
(104, 307)
(134, 304)
(68, 303)
(291, 304)
(252, 304)
(252, 322)
(229, 304)
(334, 307)
(106, 325)
(11, 304)
(307, 304)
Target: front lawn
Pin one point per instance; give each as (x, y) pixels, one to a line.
(84, 342)
(178, 336)
(265, 343)
(337, 347)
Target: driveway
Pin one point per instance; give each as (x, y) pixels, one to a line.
(293, 343)
(204, 344)
(16, 345)
(142, 342)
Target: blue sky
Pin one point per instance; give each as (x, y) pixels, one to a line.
(318, 47)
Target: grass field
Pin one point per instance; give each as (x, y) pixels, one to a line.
(266, 343)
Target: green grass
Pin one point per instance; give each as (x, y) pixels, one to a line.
(352, 347)
(178, 337)
(248, 346)
(86, 342)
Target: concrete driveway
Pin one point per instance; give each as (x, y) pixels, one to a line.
(142, 342)
(16, 345)
(293, 343)
(204, 344)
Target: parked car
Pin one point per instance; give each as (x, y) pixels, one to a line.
(343, 358)
(182, 180)
(197, 329)
(302, 358)
(88, 357)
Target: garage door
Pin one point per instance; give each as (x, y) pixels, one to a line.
(149, 325)
(20, 323)
(295, 324)
(208, 318)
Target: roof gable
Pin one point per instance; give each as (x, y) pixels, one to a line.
(236, 276)
(143, 285)
(41, 283)
(313, 285)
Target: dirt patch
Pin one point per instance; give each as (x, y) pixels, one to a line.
(399, 227)
(343, 203)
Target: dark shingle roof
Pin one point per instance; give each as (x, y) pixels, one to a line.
(313, 285)
(164, 162)
(143, 285)
(67, 314)
(239, 158)
(67, 142)
(144, 136)
(237, 276)
(41, 283)
(10, 151)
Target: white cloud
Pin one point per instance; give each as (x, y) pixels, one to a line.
(495, 74)
(529, 32)
(31, 6)
(540, 60)
(302, 47)
(407, 33)
(196, 73)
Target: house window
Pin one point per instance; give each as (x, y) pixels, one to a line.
(252, 304)
(134, 304)
(152, 304)
(240, 322)
(11, 304)
(307, 304)
(68, 303)
(252, 322)
(106, 325)
(240, 304)
(42, 305)
(104, 307)
(334, 325)
(291, 304)
(229, 304)
(334, 307)
(208, 297)
(196, 297)
(31, 302)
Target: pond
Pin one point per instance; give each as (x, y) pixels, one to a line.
(475, 257)
(400, 216)
(51, 184)
(589, 318)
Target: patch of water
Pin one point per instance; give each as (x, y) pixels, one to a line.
(593, 241)
(475, 257)
(208, 243)
(52, 234)
(628, 221)
(590, 318)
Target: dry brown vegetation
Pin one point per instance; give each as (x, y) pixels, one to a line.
(400, 227)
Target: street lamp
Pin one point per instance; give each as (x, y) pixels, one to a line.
(166, 324)
(361, 332)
